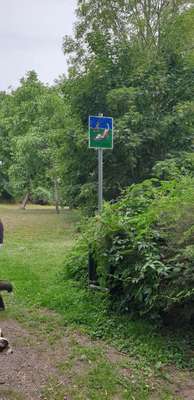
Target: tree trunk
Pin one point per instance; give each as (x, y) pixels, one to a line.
(24, 202)
(56, 195)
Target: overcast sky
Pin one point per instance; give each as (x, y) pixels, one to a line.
(31, 33)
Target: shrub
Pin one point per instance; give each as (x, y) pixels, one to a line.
(41, 195)
(144, 249)
(175, 168)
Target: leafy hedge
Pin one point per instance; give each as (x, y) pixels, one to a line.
(144, 249)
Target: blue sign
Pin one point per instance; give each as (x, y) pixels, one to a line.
(100, 132)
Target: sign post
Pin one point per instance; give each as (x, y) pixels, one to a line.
(100, 138)
(100, 180)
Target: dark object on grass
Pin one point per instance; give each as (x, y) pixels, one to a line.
(92, 273)
(4, 285)
(92, 266)
(1, 232)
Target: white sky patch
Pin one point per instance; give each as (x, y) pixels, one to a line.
(31, 33)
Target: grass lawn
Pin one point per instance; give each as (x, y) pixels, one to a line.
(32, 258)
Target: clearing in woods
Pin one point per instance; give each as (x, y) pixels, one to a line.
(47, 321)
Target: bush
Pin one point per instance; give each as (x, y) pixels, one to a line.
(144, 249)
(41, 196)
(175, 168)
(76, 262)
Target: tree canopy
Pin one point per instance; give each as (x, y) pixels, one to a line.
(132, 60)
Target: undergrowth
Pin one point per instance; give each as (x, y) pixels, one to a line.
(144, 250)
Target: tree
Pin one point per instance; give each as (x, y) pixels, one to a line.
(127, 60)
(105, 25)
(4, 144)
(34, 125)
(28, 164)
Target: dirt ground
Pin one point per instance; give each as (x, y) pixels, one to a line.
(33, 364)
(27, 370)
(182, 384)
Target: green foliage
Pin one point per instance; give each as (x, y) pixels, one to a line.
(143, 246)
(127, 59)
(137, 68)
(34, 120)
(175, 168)
(40, 195)
(76, 262)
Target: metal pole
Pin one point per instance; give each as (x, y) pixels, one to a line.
(100, 180)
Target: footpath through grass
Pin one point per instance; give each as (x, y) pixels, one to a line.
(36, 241)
